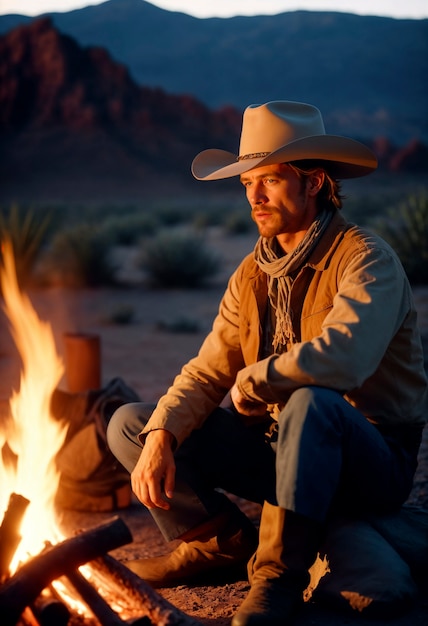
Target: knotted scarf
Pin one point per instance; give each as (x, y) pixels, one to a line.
(281, 270)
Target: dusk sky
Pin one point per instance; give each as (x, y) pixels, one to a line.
(415, 9)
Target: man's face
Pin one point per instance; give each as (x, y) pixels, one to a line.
(282, 204)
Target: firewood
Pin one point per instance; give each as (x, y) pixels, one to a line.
(49, 609)
(146, 600)
(36, 574)
(9, 532)
(99, 607)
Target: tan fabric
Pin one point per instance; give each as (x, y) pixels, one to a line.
(280, 132)
(91, 478)
(280, 270)
(355, 328)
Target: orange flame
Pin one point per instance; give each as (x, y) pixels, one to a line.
(32, 433)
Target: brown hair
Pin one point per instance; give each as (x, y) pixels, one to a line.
(329, 195)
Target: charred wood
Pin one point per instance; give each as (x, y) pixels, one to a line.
(99, 607)
(9, 532)
(49, 610)
(27, 583)
(139, 593)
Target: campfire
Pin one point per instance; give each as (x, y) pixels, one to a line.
(45, 577)
(31, 438)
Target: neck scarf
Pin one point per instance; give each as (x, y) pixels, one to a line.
(281, 271)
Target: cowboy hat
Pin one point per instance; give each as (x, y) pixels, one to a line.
(280, 132)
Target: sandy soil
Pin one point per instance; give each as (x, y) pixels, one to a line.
(147, 356)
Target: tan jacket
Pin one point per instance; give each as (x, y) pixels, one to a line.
(356, 332)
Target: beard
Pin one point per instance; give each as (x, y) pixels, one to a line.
(271, 225)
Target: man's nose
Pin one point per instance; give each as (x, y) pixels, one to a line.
(257, 194)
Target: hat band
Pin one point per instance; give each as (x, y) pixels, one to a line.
(253, 155)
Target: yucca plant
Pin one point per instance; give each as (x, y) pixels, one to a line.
(405, 228)
(80, 257)
(26, 230)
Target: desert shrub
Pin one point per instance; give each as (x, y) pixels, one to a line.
(26, 230)
(201, 221)
(178, 260)
(361, 208)
(405, 228)
(126, 230)
(180, 325)
(238, 223)
(210, 216)
(173, 215)
(79, 257)
(122, 315)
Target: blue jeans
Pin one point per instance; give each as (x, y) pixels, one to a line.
(320, 457)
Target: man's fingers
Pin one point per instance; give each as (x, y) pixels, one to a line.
(150, 492)
(156, 499)
(153, 477)
(150, 495)
(169, 484)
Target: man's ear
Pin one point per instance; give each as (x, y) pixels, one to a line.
(315, 182)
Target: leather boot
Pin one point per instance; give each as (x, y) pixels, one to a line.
(225, 542)
(278, 572)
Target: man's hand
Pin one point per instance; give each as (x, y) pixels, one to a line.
(244, 406)
(153, 477)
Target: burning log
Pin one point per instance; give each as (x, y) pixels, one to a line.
(99, 607)
(28, 619)
(146, 600)
(49, 610)
(36, 574)
(9, 532)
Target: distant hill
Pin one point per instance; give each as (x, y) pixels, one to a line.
(367, 74)
(75, 126)
(71, 118)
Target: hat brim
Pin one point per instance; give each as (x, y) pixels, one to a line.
(344, 158)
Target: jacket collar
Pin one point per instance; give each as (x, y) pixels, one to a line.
(322, 252)
(328, 243)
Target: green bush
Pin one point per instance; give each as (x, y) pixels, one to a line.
(26, 230)
(238, 223)
(173, 215)
(209, 216)
(126, 230)
(180, 325)
(178, 260)
(79, 257)
(361, 208)
(405, 228)
(122, 315)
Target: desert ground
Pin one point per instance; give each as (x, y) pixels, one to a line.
(146, 353)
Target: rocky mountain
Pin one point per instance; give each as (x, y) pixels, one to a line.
(70, 114)
(75, 126)
(367, 74)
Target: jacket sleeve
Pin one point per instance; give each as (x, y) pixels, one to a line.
(370, 304)
(206, 379)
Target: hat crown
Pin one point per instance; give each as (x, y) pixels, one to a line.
(268, 127)
(280, 132)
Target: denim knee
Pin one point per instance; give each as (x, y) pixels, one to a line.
(117, 425)
(123, 429)
(308, 451)
(309, 401)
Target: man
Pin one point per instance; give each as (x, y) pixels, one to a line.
(317, 344)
